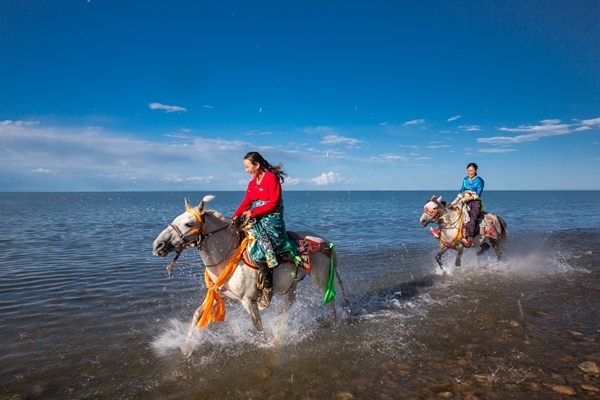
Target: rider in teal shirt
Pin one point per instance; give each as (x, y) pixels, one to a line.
(470, 193)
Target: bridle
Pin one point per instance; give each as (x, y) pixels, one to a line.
(197, 237)
(194, 233)
(434, 214)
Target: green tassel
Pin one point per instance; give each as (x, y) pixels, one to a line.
(330, 289)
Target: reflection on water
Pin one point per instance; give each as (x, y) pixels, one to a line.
(87, 312)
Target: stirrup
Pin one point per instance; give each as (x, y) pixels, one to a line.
(467, 242)
(435, 232)
(265, 298)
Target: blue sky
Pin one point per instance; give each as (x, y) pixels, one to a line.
(100, 95)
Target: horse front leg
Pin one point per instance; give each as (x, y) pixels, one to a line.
(187, 348)
(459, 251)
(438, 256)
(252, 309)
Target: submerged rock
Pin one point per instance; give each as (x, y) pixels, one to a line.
(590, 388)
(589, 367)
(562, 389)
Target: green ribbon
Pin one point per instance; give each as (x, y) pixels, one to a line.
(330, 289)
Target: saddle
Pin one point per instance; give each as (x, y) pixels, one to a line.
(486, 225)
(306, 245)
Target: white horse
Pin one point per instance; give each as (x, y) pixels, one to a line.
(218, 240)
(450, 220)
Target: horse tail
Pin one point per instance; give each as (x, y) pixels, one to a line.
(337, 275)
(503, 232)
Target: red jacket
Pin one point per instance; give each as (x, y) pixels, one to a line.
(269, 190)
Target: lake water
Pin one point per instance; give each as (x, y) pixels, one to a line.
(86, 310)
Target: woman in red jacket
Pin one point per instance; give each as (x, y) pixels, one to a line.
(264, 204)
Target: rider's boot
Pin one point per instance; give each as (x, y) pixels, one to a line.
(267, 291)
(435, 232)
(466, 239)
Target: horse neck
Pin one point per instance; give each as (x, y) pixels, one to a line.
(449, 219)
(218, 244)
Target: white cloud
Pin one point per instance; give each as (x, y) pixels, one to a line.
(414, 121)
(439, 146)
(453, 118)
(591, 122)
(582, 128)
(169, 109)
(327, 178)
(340, 140)
(470, 128)
(292, 181)
(92, 159)
(201, 179)
(492, 151)
(532, 133)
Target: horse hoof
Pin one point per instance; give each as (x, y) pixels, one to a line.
(186, 352)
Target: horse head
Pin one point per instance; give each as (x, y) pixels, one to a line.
(184, 232)
(433, 210)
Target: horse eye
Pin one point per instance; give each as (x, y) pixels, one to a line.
(189, 224)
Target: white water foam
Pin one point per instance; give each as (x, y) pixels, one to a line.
(279, 329)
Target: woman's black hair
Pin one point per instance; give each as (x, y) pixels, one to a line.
(472, 165)
(255, 158)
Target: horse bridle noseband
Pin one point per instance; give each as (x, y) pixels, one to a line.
(433, 214)
(197, 233)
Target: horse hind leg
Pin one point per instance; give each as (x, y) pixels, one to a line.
(290, 298)
(459, 252)
(497, 245)
(484, 247)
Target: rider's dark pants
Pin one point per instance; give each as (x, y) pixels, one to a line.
(474, 211)
(267, 274)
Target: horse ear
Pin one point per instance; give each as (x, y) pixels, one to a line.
(187, 204)
(440, 199)
(202, 205)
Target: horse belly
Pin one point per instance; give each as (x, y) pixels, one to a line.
(284, 275)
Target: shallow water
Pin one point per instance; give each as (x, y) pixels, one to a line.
(86, 311)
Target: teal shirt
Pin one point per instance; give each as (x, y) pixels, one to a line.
(475, 185)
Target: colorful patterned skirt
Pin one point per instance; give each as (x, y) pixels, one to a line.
(272, 244)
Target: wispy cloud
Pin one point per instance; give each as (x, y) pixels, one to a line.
(453, 118)
(169, 109)
(591, 122)
(492, 151)
(414, 122)
(532, 133)
(438, 146)
(470, 128)
(93, 159)
(340, 140)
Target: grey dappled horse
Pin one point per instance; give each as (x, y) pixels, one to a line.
(449, 218)
(218, 238)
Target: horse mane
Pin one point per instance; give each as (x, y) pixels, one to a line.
(217, 215)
